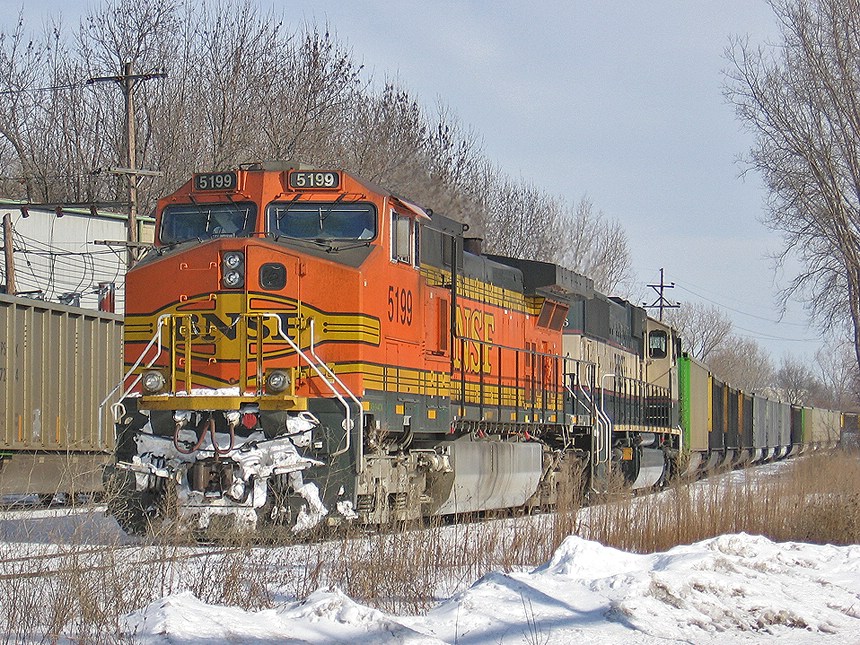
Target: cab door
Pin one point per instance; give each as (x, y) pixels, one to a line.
(273, 297)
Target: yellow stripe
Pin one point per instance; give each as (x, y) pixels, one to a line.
(403, 380)
(475, 289)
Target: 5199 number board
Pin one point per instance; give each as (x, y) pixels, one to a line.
(216, 181)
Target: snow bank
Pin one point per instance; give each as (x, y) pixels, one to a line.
(324, 617)
(734, 588)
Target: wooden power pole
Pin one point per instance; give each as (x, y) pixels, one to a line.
(131, 158)
(8, 252)
(127, 81)
(661, 302)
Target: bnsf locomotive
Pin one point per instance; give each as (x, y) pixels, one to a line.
(304, 347)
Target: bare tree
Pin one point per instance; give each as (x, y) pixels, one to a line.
(36, 119)
(800, 97)
(742, 363)
(389, 139)
(703, 328)
(795, 382)
(524, 222)
(316, 88)
(839, 377)
(597, 247)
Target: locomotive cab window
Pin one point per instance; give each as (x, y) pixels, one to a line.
(405, 241)
(323, 221)
(658, 344)
(201, 221)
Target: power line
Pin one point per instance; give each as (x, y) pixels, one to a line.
(54, 272)
(81, 84)
(763, 336)
(749, 332)
(50, 88)
(739, 311)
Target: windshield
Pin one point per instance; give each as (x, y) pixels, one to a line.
(322, 220)
(181, 222)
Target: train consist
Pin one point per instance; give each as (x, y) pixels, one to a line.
(303, 347)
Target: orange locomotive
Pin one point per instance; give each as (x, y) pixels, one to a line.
(304, 347)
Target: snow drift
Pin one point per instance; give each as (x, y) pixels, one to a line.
(734, 588)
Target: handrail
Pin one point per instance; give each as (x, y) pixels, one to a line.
(603, 431)
(299, 352)
(343, 385)
(117, 406)
(314, 361)
(607, 419)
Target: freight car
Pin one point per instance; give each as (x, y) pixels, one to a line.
(304, 347)
(726, 427)
(56, 364)
(850, 436)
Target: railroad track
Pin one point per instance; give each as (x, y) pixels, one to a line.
(87, 557)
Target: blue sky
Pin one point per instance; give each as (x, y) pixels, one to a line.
(617, 100)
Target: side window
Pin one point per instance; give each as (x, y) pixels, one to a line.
(657, 344)
(405, 243)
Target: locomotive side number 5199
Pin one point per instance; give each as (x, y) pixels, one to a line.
(400, 305)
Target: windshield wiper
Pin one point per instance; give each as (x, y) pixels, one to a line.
(282, 211)
(324, 216)
(333, 249)
(206, 213)
(244, 214)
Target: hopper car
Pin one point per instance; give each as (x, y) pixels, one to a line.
(56, 364)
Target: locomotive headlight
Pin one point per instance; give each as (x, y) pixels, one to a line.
(233, 269)
(233, 260)
(232, 279)
(277, 381)
(153, 381)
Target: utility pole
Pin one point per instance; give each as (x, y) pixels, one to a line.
(661, 302)
(127, 81)
(131, 158)
(8, 252)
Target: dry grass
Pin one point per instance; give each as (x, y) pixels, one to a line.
(812, 499)
(87, 586)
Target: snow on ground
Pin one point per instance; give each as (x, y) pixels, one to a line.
(734, 588)
(730, 589)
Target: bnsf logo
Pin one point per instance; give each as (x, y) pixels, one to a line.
(224, 331)
(475, 330)
(230, 335)
(210, 326)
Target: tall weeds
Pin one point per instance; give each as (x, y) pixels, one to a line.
(81, 584)
(815, 499)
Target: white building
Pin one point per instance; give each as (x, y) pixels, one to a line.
(60, 254)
